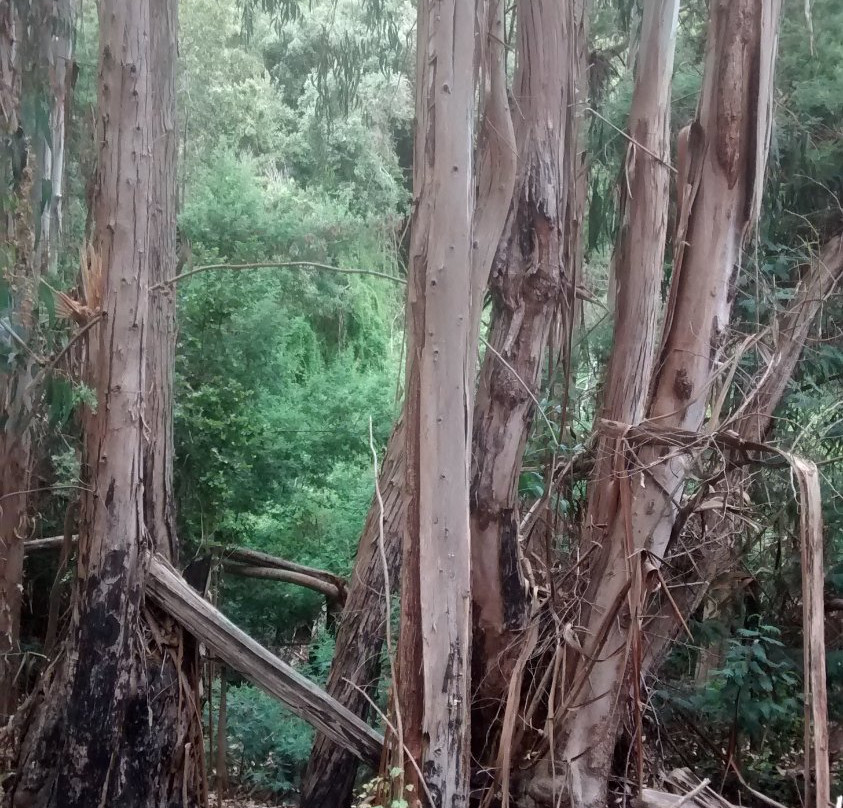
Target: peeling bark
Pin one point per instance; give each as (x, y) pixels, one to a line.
(530, 284)
(727, 157)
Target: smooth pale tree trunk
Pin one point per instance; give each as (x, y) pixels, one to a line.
(637, 266)
(720, 199)
(98, 735)
(435, 641)
(752, 422)
(530, 284)
(354, 672)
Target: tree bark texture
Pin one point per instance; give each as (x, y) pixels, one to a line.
(530, 284)
(637, 265)
(331, 770)
(720, 199)
(96, 736)
(434, 647)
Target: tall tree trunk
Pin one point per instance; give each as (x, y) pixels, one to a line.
(16, 246)
(330, 773)
(637, 265)
(720, 200)
(530, 283)
(434, 647)
(159, 504)
(98, 736)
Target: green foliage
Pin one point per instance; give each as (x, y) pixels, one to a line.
(280, 370)
(268, 744)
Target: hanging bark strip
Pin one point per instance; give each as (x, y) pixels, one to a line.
(722, 196)
(813, 628)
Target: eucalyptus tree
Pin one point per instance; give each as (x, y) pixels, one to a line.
(115, 720)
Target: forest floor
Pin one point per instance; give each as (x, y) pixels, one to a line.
(247, 802)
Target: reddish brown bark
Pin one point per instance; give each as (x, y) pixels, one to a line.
(114, 721)
(530, 284)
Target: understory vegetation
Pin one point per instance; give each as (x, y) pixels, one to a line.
(295, 133)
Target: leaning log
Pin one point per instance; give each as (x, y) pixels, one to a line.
(650, 798)
(169, 590)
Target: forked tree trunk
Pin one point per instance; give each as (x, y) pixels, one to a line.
(435, 643)
(720, 199)
(530, 283)
(331, 770)
(636, 273)
(98, 735)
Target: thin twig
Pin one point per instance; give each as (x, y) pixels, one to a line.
(394, 732)
(73, 340)
(632, 140)
(14, 335)
(693, 793)
(277, 265)
(527, 390)
(388, 608)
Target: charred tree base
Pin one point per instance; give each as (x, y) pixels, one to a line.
(116, 734)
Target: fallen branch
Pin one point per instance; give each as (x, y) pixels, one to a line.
(242, 561)
(238, 650)
(256, 558)
(331, 591)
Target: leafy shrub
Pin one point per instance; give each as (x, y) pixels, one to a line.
(268, 746)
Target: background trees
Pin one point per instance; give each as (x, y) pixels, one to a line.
(295, 144)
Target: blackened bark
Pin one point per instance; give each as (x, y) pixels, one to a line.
(98, 734)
